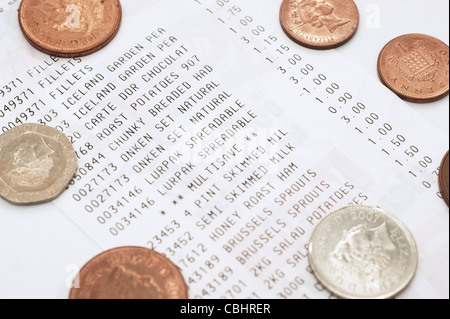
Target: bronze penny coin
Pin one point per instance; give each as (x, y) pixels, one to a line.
(130, 273)
(444, 178)
(319, 24)
(37, 163)
(415, 67)
(69, 28)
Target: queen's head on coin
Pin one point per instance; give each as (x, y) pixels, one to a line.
(69, 15)
(32, 164)
(363, 254)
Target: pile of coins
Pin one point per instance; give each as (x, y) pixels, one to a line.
(356, 252)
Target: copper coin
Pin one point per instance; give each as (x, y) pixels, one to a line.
(415, 67)
(319, 24)
(444, 178)
(70, 28)
(130, 273)
(37, 163)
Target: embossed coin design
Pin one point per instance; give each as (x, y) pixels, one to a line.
(361, 252)
(415, 67)
(130, 273)
(319, 24)
(444, 178)
(37, 163)
(69, 28)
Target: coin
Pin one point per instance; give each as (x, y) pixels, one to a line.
(415, 67)
(361, 252)
(444, 178)
(37, 163)
(130, 273)
(319, 24)
(69, 28)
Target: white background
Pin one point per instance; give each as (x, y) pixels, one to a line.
(40, 247)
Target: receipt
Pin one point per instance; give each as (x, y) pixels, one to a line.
(212, 138)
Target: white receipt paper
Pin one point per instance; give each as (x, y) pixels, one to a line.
(204, 133)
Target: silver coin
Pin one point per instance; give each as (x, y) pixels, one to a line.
(37, 163)
(361, 252)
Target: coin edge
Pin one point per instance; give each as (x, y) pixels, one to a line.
(441, 178)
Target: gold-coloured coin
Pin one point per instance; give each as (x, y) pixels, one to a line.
(319, 24)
